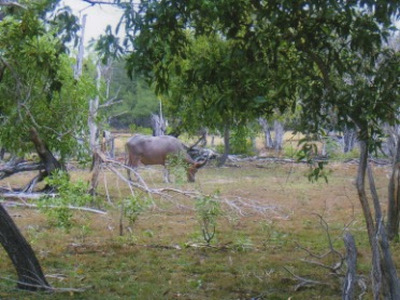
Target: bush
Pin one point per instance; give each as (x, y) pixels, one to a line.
(58, 208)
(290, 151)
(208, 210)
(134, 206)
(240, 141)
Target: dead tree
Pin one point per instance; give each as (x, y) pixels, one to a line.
(158, 125)
(351, 274)
(15, 166)
(349, 139)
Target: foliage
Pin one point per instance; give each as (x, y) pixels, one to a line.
(138, 99)
(309, 152)
(240, 141)
(58, 208)
(133, 206)
(177, 165)
(240, 59)
(133, 128)
(208, 210)
(37, 85)
(243, 244)
(290, 151)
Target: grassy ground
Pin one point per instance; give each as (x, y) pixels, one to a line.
(162, 254)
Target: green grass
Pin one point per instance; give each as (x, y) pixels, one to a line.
(163, 258)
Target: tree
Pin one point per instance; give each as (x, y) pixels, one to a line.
(42, 106)
(30, 274)
(37, 82)
(325, 56)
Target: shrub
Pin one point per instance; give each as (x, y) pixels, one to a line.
(208, 210)
(240, 141)
(58, 208)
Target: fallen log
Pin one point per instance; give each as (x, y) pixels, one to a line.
(13, 167)
(25, 196)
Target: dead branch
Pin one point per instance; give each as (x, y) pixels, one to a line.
(31, 205)
(240, 205)
(112, 101)
(325, 226)
(14, 167)
(304, 282)
(11, 3)
(26, 196)
(47, 288)
(243, 206)
(334, 268)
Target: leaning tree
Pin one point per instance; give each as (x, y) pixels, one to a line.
(43, 108)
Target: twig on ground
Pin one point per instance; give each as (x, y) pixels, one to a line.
(30, 205)
(47, 288)
(303, 282)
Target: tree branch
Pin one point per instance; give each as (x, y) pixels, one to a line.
(16, 167)
(11, 3)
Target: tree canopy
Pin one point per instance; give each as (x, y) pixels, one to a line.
(253, 57)
(37, 84)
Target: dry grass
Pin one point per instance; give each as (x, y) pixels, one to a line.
(153, 259)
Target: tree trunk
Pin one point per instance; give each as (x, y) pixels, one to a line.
(212, 143)
(94, 182)
(389, 146)
(13, 167)
(376, 272)
(81, 50)
(351, 274)
(108, 145)
(48, 160)
(279, 132)
(94, 133)
(30, 274)
(384, 275)
(268, 143)
(2, 153)
(227, 149)
(390, 282)
(349, 139)
(393, 216)
(158, 125)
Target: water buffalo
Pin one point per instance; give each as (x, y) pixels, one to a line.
(154, 150)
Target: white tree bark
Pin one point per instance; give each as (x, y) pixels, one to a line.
(79, 58)
(93, 111)
(279, 132)
(268, 143)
